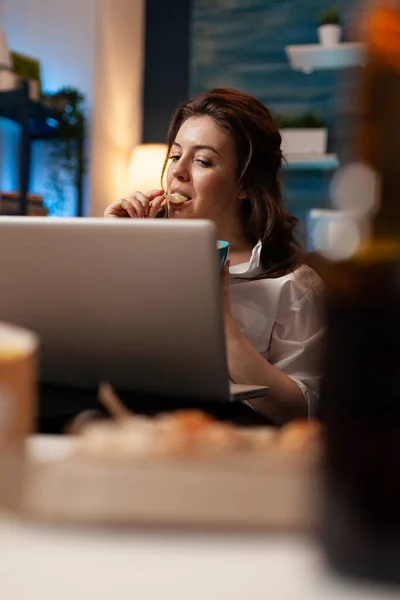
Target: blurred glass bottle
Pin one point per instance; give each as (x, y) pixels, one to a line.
(360, 395)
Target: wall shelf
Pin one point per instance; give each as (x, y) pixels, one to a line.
(308, 162)
(310, 57)
(37, 122)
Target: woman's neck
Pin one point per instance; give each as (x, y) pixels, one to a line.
(232, 232)
(240, 247)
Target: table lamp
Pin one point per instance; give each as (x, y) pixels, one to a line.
(145, 167)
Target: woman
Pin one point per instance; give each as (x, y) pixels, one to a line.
(225, 158)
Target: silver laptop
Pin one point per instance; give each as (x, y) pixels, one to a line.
(132, 302)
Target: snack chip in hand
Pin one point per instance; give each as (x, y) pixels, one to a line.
(176, 198)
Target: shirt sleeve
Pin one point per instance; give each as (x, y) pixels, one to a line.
(295, 347)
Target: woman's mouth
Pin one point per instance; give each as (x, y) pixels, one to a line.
(177, 199)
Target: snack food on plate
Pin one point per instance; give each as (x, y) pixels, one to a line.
(185, 434)
(300, 435)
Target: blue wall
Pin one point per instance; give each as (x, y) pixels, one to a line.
(166, 72)
(240, 44)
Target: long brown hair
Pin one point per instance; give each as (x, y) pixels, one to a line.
(258, 147)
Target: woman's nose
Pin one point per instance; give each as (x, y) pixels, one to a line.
(180, 171)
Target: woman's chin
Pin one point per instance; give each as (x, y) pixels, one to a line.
(181, 211)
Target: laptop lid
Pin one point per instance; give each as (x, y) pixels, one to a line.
(133, 302)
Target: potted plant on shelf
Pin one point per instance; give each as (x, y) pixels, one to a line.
(65, 156)
(330, 30)
(305, 134)
(26, 67)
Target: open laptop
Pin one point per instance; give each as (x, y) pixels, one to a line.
(132, 302)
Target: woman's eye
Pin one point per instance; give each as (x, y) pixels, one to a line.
(204, 163)
(174, 157)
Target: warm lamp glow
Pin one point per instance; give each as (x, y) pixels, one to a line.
(145, 167)
(5, 61)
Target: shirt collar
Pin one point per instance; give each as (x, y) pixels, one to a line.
(250, 268)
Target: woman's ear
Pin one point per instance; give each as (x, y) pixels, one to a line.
(242, 195)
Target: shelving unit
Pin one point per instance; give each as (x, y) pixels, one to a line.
(309, 57)
(305, 162)
(37, 122)
(306, 59)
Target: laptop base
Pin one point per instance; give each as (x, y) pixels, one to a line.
(58, 405)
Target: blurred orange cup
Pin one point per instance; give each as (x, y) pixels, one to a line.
(18, 397)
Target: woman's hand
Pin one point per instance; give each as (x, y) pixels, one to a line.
(231, 328)
(233, 336)
(137, 206)
(226, 298)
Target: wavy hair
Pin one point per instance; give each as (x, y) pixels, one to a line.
(258, 147)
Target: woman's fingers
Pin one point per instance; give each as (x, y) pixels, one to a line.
(140, 203)
(136, 206)
(155, 206)
(225, 270)
(123, 209)
(130, 207)
(154, 194)
(115, 211)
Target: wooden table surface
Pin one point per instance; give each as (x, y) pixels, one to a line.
(55, 563)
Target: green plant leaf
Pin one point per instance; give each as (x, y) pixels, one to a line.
(330, 17)
(308, 120)
(65, 157)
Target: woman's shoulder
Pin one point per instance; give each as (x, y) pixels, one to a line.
(301, 286)
(307, 281)
(286, 291)
(303, 279)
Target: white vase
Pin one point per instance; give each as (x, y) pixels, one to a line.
(329, 35)
(304, 141)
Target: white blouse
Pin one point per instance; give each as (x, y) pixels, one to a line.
(282, 320)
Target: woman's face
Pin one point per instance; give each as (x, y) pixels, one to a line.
(203, 167)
